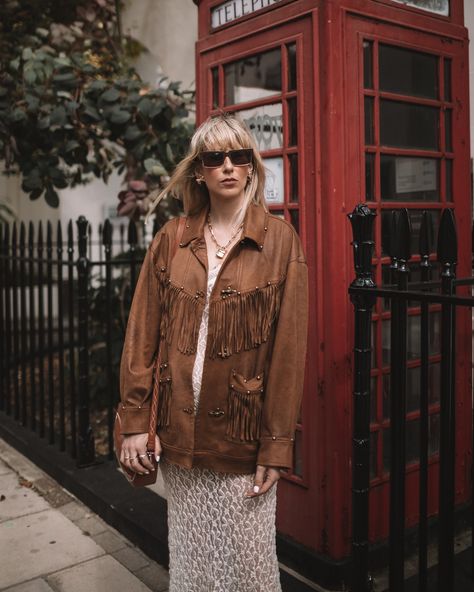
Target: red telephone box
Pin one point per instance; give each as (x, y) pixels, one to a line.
(348, 100)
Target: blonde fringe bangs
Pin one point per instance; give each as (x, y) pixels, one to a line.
(221, 132)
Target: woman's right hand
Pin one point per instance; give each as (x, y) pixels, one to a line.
(134, 454)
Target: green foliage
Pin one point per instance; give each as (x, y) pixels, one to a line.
(71, 106)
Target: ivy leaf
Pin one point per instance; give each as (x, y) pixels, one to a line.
(18, 115)
(58, 116)
(110, 96)
(169, 153)
(119, 116)
(154, 167)
(51, 197)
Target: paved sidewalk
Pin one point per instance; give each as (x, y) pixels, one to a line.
(51, 542)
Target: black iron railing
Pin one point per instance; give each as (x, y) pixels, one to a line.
(364, 294)
(63, 309)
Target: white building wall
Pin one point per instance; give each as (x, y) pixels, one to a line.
(168, 29)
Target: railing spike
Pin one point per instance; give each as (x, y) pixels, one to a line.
(31, 234)
(447, 239)
(14, 235)
(403, 236)
(70, 235)
(49, 235)
(132, 233)
(59, 235)
(22, 235)
(426, 234)
(107, 232)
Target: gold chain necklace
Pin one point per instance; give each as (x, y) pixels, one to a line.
(221, 250)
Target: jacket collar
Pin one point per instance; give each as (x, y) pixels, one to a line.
(255, 225)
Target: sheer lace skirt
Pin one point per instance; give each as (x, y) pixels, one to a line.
(219, 540)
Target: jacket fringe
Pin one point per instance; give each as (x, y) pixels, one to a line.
(242, 321)
(237, 321)
(179, 313)
(244, 415)
(164, 405)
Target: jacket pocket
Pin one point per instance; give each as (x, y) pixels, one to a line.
(164, 396)
(245, 401)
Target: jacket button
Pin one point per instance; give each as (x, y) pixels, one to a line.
(274, 437)
(180, 244)
(261, 246)
(163, 269)
(188, 410)
(265, 228)
(258, 377)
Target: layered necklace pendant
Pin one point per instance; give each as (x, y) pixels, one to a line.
(221, 250)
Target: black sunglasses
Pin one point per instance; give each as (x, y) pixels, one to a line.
(215, 158)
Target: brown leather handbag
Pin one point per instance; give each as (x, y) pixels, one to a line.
(136, 479)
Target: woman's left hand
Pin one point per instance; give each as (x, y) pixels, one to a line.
(265, 477)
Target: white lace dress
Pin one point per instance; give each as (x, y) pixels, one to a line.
(219, 540)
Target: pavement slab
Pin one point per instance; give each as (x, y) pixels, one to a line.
(37, 585)
(17, 499)
(41, 543)
(102, 573)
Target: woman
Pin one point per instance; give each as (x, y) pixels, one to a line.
(227, 310)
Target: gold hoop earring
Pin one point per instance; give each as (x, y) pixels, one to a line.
(199, 180)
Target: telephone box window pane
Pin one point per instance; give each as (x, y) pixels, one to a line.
(373, 346)
(413, 389)
(403, 125)
(386, 346)
(369, 176)
(215, 88)
(435, 333)
(298, 463)
(252, 78)
(386, 450)
(434, 382)
(266, 124)
(433, 434)
(295, 219)
(369, 120)
(448, 124)
(373, 454)
(447, 80)
(449, 179)
(437, 6)
(412, 441)
(406, 178)
(293, 164)
(407, 72)
(386, 395)
(413, 329)
(274, 186)
(416, 217)
(373, 398)
(292, 123)
(291, 66)
(368, 65)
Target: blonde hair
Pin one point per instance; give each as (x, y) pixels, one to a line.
(222, 131)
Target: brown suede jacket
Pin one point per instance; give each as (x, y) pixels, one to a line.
(253, 374)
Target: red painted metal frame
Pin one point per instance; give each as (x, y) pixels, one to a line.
(358, 30)
(318, 513)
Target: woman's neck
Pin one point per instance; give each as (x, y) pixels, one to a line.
(227, 213)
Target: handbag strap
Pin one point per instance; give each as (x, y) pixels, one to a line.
(156, 373)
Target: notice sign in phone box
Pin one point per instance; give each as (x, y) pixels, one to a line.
(234, 9)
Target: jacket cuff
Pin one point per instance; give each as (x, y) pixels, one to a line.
(134, 420)
(276, 452)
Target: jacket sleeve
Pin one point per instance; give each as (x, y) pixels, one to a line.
(141, 343)
(284, 385)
